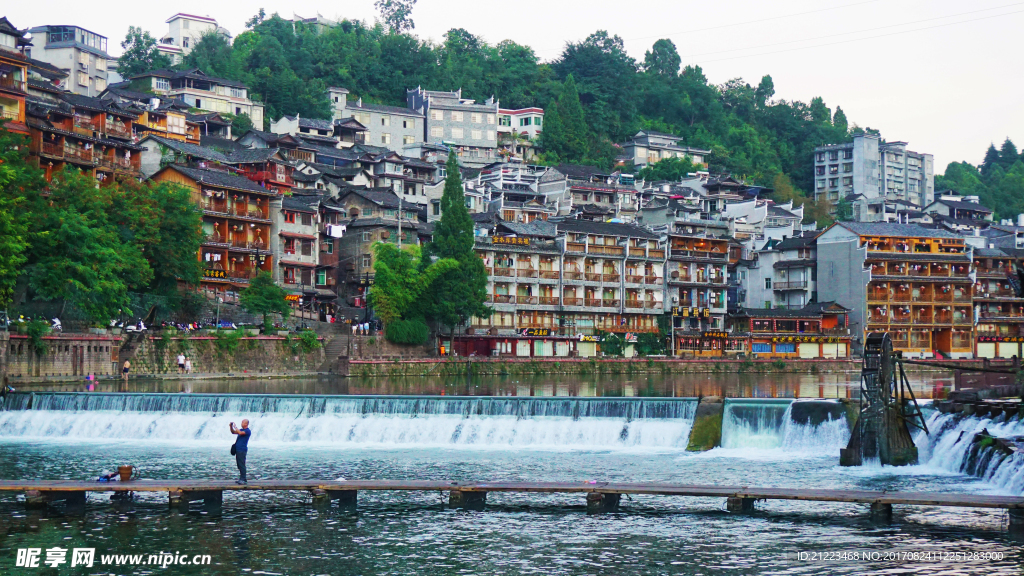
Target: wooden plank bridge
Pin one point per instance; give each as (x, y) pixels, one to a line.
(600, 496)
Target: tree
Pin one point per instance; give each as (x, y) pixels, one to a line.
(140, 54)
(991, 160)
(844, 210)
(674, 169)
(397, 14)
(241, 124)
(663, 59)
(765, 91)
(839, 120)
(1008, 154)
(17, 180)
(460, 293)
(256, 20)
(399, 280)
(263, 297)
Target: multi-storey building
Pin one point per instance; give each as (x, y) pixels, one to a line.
(198, 90)
(554, 288)
(910, 281)
(524, 121)
(236, 225)
(817, 330)
(599, 195)
(77, 51)
(697, 282)
(184, 31)
(294, 244)
(391, 127)
(874, 169)
(649, 147)
(159, 116)
(998, 302)
(783, 274)
(471, 129)
(13, 77)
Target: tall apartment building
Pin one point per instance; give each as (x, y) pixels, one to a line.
(184, 31)
(904, 279)
(697, 282)
(783, 273)
(874, 169)
(998, 302)
(14, 68)
(470, 128)
(649, 147)
(77, 51)
(391, 127)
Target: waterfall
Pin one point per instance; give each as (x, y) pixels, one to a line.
(813, 427)
(403, 421)
(949, 446)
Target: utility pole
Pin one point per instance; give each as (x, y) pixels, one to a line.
(399, 223)
(219, 300)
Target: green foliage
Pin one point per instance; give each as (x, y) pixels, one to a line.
(309, 340)
(263, 297)
(17, 180)
(140, 54)
(241, 123)
(227, 340)
(35, 330)
(612, 344)
(998, 181)
(413, 331)
(673, 169)
(650, 343)
(400, 280)
(459, 293)
(396, 14)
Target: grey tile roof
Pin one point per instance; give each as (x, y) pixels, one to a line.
(384, 108)
(189, 149)
(958, 205)
(780, 211)
(301, 203)
(222, 179)
(251, 155)
(537, 228)
(386, 199)
(797, 242)
(605, 229)
(894, 229)
(222, 144)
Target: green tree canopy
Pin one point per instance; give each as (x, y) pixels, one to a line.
(396, 14)
(399, 280)
(140, 54)
(18, 180)
(264, 298)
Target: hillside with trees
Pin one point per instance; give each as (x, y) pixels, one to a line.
(998, 181)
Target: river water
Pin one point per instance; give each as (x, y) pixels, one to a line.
(626, 429)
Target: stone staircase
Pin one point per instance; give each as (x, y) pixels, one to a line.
(336, 352)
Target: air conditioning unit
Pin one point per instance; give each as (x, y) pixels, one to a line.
(675, 298)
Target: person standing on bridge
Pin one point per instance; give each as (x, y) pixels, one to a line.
(241, 448)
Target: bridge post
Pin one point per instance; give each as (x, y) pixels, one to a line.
(739, 504)
(182, 498)
(40, 498)
(602, 502)
(320, 497)
(881, 512)
(470, 499)
(344, 497)
(1016, 520)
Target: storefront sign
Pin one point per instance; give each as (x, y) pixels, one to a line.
(510, 240)
(826, 339)
(292, 297)
(536, 332)
(584, 338)
(713, 334)
(630, 337)
(214, 274)
(687, 312)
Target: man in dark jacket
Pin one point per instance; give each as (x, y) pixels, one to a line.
(241, 448)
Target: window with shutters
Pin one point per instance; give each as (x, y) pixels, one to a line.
(477, 135)
(307, 219)
(457, 133)
(475, 118)
(437, 132)
(436, 115)
(457, 117)
(307, 247)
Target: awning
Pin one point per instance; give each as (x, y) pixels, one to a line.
(299, 264)
(296, 235)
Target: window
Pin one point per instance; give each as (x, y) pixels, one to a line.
(476, 118)
(437, 132)
(199, 103)
(385, 120)
(457, 117)
(289, 217)
(289, 246)
(307, 219)
(101, 64)
(477, 135)
(436, 115)
(385, 138)
(848, 167)
(504, 120)
(490, 135)
(408, 139)
(368, 212)
(238, 110)
(490, 118)
(847, 180)
(289, 275)
(820, 170)
(833, 169)
(161, 84)
(329, 245)
(833, 155)
(819, 157)
(457, 133)
(307, 247)
(833, 182)
(538, 120)
(100, 84)
(83, 79)
(525, 121)
(405, 123)
(184, 42)
(367, 236)
(367, 261)
(237, 92)
(767, 283)
(321, 277)
(847, 154)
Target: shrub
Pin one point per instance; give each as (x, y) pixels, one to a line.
(412, 331)
(227, 340)
(35, 330)
(309, 340)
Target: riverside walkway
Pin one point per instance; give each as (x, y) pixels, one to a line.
(600, 496)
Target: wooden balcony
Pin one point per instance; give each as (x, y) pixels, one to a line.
(504, 299)
(80, 155)
(592, 277)
(118, 130)
(214, 207)
(613, 277)
(548, 301)
(634, 279)
(549, 274)
(593, 302)
(572, 301)
(652, 279)
(610, 302)
(604, 249)
(520, 299)
(52, 150)
(214, 239)
(504, 272)
(637, 252)
(653, 305)
(634, 304)
(569, 275)
(575, 247)
(8, 82)
(526, 273)
(655, 253)
(790, 285)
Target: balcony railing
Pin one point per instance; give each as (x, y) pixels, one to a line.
(214, 239)
(10, 83)
(549, 274)
(526, 299)
(790, 285)
(504, 299)
(506, 272)
(592, 277)
(610, 302)
(640, 252)
(570, 275)
(634, 279)
(604, 249)
(652, 279)
(593, 302)
(572, 301)
(548, 301)
(55, 150)
(655, 253)
(575, 247)
(79, 154)
(613, 277)
(7, 114)
(118, 130)
(526, 273)
(634, 304)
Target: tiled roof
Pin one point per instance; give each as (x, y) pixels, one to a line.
(194, 73)
(797, 242)
(958, 205)
(812, 310)
(222, 144)
(384, 108)
(780, 211)
(537, 228)
(380, 198)
(894, 229)
(303, 177)
(190, 149)
(300, 203)
(605, 229)
(578, 172)
(222, 179)
(46, 69)
(251, 155)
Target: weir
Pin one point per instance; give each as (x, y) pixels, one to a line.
(376, 420)
(816, 426)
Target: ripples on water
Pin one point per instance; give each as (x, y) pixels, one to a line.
(414, 533)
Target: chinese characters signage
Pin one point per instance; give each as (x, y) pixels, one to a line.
(536, 332)
(806, 339)
(510, 240)
(715, 334)
(687, 312)
(214, 274)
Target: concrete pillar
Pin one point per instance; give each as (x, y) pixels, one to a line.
(706, 432)
(183, 497)
(466, 499)
(881, 512)
(599, 502)
(1016, 520)
(739, 505)
(320, 497)
(40, 498)
(344, 497)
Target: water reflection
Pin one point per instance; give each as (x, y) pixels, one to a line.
(733, 385)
